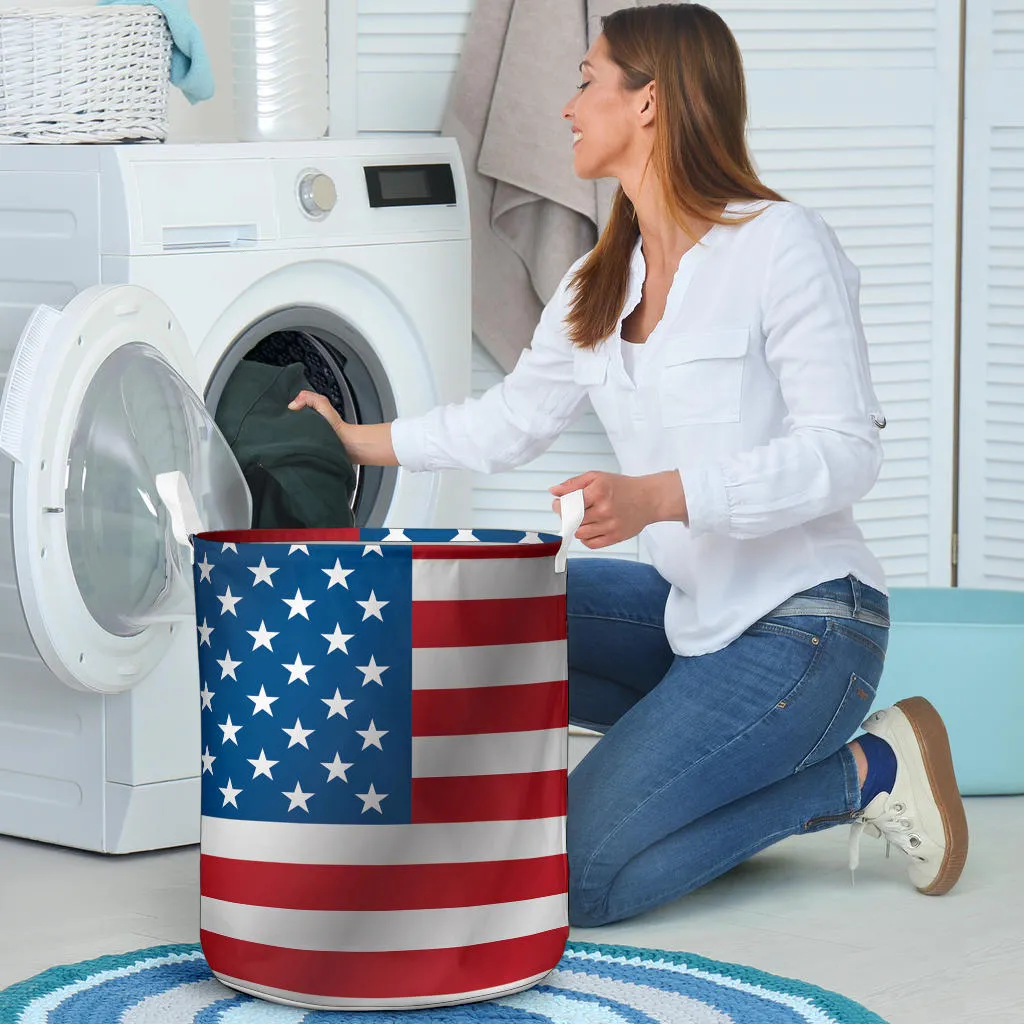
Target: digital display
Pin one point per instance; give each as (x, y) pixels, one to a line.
(404, 183)
(410, 185)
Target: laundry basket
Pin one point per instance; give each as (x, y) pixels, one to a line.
(384, 753)
(84, 74)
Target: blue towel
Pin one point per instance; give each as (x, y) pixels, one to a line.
(191, 70)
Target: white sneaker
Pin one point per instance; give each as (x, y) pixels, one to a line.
(923, 815)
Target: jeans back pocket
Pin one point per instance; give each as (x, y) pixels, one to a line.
(852, 710)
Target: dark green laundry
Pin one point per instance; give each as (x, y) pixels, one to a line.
(297, 470)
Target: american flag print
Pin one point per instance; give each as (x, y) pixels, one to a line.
(384, 762)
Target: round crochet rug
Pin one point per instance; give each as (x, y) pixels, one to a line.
(593, 984)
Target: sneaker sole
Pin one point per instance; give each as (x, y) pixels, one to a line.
(938, 763)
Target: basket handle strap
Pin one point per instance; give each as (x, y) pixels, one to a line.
(176, 494)
(571, 506)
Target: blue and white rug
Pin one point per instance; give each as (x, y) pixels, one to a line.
(593, 984)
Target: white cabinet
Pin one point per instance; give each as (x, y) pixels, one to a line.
(991, 528)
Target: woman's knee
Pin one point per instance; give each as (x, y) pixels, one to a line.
(601, 587)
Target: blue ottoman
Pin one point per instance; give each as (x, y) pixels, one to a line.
(964, 651)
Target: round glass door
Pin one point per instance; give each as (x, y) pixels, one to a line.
(137, 419)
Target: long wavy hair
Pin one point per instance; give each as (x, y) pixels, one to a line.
(699, 155)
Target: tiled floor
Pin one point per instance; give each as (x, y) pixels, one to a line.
(792, 910)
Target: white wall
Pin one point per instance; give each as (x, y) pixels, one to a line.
(210, 120)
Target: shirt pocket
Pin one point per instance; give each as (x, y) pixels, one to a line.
(702, 377)
(590, 366)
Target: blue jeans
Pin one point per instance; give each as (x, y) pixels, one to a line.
(706, 760)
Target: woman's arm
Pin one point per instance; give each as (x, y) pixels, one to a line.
(831, 453)
(508, 425)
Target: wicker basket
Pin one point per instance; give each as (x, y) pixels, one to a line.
(84, 74)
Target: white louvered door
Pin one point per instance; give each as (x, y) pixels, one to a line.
(854, 112)
(991, 528)
(406, 57)
(856, 117)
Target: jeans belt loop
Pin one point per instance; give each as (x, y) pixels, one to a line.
(857, 587)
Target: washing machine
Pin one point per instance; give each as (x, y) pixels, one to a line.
(134, 282)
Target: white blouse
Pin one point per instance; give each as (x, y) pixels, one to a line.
(754, 385)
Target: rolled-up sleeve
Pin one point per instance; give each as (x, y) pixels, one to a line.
(830, 454)
(512, 422)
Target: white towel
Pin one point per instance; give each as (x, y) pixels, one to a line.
(531, 216)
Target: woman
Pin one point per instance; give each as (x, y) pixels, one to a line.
(715, 328)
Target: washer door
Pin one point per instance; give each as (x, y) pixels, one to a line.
(101, 399)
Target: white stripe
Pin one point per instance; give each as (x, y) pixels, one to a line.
(442, 668)
(38, 1011)
(246, 1011)
(559, 1009)
(664, 1007)
(377, 931)
(280, 842)
(483, 579)
(181, 1003)
(491, 753)
(318, 1002)
(811, 1013)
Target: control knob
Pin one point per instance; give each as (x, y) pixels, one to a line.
(317, 194)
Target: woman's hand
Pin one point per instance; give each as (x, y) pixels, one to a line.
(618, 507)
(323, 406)
(366, 444)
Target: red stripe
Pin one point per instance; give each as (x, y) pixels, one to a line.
(480, 549)
(512, 797)
(415, 973)
(483, 550)
(484, 709)
(486, 623)
(381, 886)
(282, 536)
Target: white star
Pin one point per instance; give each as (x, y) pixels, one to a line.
(372, 607)
(336, 769)
(372, 799)
(261, 637)
(204, 634)
(338, 575)
(298, 605)
(228, 547)
(207, 694)
(531, 538)
(227, 667)
(208, 760)
(371, 672)
(298, 547)
(229, 731)
(298, 735)
(229, 794)
(297, 798)
(298, 670)
(466, 535)
(205, 568)
(262, 572)
(375, 548)
(338, 639)
(227, 602)
(336, 704)
(261, 702)
(262, 766)
(371, 736)
(397, 535)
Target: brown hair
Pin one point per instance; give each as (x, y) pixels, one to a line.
(700, 152)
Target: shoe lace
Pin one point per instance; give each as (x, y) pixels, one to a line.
(891, 824)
